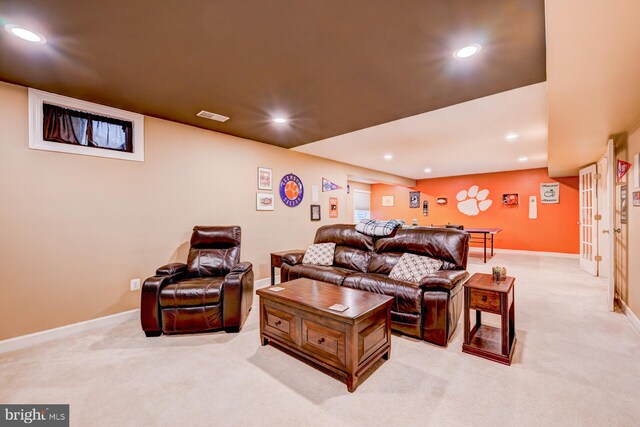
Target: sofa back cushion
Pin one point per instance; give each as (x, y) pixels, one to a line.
(448, 245)
(352, 258)
(344, 235)
(214, 251)
(353, 249)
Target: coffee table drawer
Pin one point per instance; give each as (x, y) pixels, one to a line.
(325, 340)
(280, 323)
(484, 300)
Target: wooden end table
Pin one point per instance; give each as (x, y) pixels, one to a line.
(276, 262)
(481, 293)
(346, 343)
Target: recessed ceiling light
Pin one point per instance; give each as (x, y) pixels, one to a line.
(511, 136)
(280, 120)
(24, 34)
(467, 51)
(388, 156)
(522, 159)
(427, 170)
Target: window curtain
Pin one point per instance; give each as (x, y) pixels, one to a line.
(81, 128)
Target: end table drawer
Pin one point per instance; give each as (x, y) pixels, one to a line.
(484, 300)
(280, 323)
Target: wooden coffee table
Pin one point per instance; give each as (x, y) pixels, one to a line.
(346, 343)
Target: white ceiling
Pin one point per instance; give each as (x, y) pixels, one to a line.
(466, 138)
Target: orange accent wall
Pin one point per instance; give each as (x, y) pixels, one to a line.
(555, 230)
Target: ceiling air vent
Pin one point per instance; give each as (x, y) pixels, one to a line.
(212, 116)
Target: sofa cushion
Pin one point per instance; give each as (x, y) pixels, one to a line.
(192, 292)
(412, 268)
(408, 296)
(352, 258)
(383, 263)
(320, 254)
(327, 274)
(344, 235)
(448, 245)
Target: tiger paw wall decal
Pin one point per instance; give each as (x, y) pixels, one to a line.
(471, 202)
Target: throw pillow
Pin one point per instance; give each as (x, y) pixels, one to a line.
(412, 268)
(320, 254)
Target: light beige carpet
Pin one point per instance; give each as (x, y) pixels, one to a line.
(575, 364)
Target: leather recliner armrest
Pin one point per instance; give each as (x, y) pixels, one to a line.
(293, 257)
(444, 279)
(241, 267)
(171, 269)
(238, 295)
(149, 307)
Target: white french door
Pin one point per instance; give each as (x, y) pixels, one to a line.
(588, 229)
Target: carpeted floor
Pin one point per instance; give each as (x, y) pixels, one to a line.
(575, 364)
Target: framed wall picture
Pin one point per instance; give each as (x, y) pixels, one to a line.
(388, 201)
(636, 171)
(333, 207)
(315, 213)
(414, 199)
(265, 179)
(636, 198)
(265, 202)
(510, 199)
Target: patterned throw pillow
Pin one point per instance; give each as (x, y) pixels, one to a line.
(320, 254)
(412, 268)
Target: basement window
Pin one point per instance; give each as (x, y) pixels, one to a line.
(62, 124)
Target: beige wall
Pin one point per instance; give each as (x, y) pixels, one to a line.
(75, 229)
(631, 295)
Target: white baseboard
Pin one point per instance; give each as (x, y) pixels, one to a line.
(29, 340)
(635, 322)
(263, 283)
(23, 341)
(476, 249)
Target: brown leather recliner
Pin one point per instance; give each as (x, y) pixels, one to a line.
(428, 310)
(213, 290)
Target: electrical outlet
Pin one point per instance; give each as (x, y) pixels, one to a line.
(135, 284)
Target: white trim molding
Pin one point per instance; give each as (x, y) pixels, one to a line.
(635, 322)
(263, 283)
(29, 340)
(37, 98)
(480, 249)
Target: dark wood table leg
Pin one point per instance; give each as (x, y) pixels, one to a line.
(485, 248)
(273, 275)
(505, 324)
(352, 383)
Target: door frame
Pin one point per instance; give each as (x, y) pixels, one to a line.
(610, 219)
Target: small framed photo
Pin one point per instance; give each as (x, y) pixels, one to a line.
(414, 199)
(265, 202)
(315, 213)
(636, 198)
(265, 179)
(388, 201)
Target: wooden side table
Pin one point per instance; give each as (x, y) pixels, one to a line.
(276, 262)
(481, 293)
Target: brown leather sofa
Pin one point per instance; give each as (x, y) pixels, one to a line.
(429, 310)
(213, 290)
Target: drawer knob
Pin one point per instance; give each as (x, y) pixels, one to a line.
(484, 298)
(278, 323)
(321, 340)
